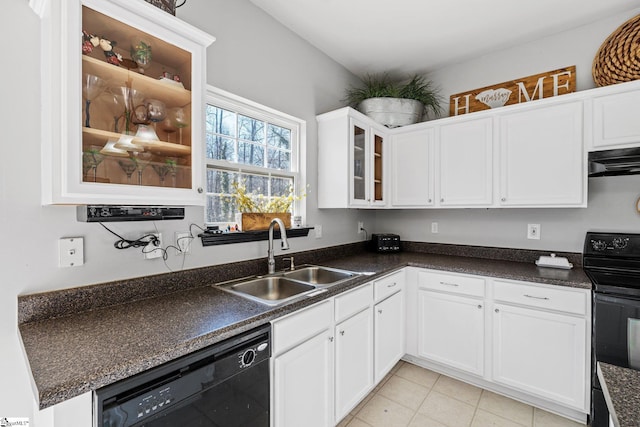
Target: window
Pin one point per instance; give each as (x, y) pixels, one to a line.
(249, 143)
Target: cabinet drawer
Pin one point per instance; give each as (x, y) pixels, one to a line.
(464, 285)
(388, 285)
(354, 301)
(301, 326)
(540, 296)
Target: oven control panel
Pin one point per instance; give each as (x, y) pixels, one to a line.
(616, 244)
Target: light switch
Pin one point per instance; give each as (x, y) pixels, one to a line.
(71, 252)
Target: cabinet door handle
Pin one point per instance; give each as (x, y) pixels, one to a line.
(342, 333)
(391, 285)
(535, 297)
(449, 284)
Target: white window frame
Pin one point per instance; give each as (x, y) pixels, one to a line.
(229, 101)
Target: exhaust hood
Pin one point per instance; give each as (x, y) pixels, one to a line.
(624, 161)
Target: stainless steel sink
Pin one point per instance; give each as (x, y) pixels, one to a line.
(319, 276)
(271, 290)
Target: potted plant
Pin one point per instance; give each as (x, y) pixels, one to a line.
(257, 210)
(395, 104)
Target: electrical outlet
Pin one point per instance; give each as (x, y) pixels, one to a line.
(434, 227)
(360, 227)
(318, 229)
(533, 231)
(152, 251)
(183, 241)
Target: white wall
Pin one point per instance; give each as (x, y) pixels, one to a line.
(611, 200)
(301, 81)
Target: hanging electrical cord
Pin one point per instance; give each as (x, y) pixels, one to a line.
(150, 242)
(366, 235)
(140, 242)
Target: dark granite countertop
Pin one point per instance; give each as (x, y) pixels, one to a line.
(70, 354)
(621, 388)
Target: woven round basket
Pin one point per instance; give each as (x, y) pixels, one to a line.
(618, 59)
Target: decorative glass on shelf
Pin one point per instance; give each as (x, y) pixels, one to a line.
(136, 108)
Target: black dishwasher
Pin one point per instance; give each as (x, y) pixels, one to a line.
(224, 385)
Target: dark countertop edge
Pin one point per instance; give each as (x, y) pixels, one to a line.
(96, 380)
(68, 390)
(621, 389)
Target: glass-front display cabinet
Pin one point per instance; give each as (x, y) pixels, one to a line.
(124, 113)
(367, 168)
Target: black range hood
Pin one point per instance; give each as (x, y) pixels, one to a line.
(624, 161)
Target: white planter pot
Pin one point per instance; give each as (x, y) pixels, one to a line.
(392, 112)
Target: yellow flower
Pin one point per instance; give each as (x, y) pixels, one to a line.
(250, 202)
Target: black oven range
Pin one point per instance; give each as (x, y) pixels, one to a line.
(612, 262)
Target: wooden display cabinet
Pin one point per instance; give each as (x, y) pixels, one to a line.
(167, 160)
(120, 141)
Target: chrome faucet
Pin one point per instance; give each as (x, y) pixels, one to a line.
(284, 244)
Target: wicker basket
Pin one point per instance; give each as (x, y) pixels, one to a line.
(168, 6)
(618, 59)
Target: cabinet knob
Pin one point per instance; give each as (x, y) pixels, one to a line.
(504, 199)
(200, 190)
(331, 339)
(342, 333)
(479, 305)
(441, 200)
(429, 201)
(380, 311)
(497, 311)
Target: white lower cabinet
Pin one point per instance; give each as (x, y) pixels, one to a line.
(322, 364)
(540, 341)
(527, 340)
(303, 382)
(302, 368)
(540, 353)
(389, 334)
(451, 330)
(354, 361)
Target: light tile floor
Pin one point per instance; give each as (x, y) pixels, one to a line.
(411, 396)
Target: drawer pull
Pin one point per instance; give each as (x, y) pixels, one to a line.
(535, 297)
(391, 285)
(449, 284)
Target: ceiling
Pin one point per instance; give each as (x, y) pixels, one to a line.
(403, 37)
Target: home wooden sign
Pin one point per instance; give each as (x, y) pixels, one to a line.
(539, 86)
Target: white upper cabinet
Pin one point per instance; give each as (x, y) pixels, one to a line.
(351, 150)
(615, 121)
(542, 157)
(412, 169)
(148, 101)
(465, 160)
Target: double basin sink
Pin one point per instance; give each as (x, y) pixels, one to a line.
(279, 288)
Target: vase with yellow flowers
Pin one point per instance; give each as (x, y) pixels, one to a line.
(256, 211)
